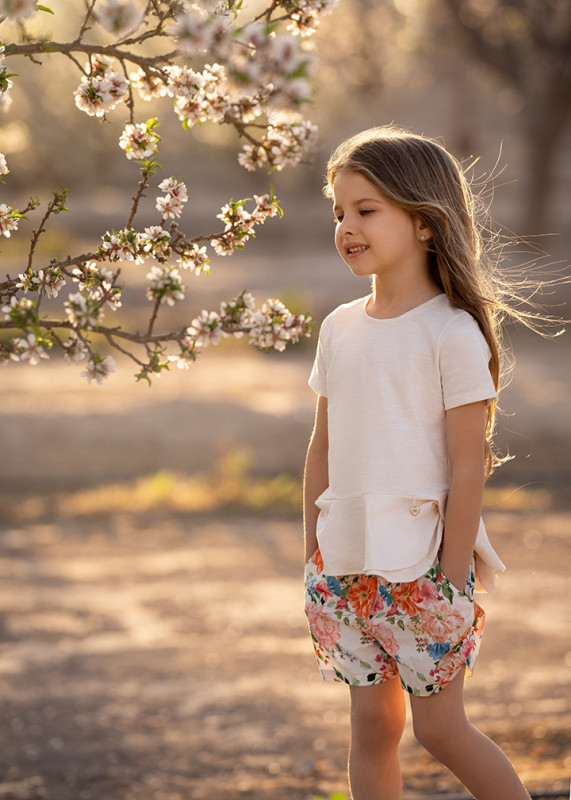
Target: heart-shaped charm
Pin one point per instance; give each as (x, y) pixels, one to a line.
(414, 510)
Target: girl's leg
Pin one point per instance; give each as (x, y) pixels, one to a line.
(377, 722)
(441, 726)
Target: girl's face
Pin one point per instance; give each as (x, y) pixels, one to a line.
(373, 235)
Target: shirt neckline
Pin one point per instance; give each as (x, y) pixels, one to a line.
(385, 320)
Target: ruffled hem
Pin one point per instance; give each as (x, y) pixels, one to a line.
(393, 536)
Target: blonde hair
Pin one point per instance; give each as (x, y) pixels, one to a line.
(424, 179)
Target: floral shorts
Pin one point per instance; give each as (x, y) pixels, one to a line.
(366, 630)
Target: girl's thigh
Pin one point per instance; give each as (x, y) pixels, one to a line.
(441, 713)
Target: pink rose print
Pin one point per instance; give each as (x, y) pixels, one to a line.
(384, 634)
(325, 629)
(440, 620)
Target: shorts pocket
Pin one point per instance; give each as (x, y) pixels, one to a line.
(467, 591)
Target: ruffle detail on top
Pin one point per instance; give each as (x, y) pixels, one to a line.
(396, 537)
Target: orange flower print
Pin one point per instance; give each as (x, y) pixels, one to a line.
(362, 595)
(407, 597)
(318, 561)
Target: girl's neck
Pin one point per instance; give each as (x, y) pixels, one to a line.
(387, 302)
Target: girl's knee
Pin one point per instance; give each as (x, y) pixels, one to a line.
(377, 721)
(438, 735)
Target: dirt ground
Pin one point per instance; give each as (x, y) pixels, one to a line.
(165, 656)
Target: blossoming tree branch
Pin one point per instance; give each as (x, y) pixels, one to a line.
(218, 64)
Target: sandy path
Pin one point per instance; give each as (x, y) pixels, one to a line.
(167, 658)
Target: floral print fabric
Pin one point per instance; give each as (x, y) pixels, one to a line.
(366, 630)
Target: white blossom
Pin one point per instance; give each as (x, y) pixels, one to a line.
(147, 84)
(139, 140)
(176, 194)
(166, 284)
(8, 220)
(122, 246)
(195, 259)
(192, 32)
(155, 240)
(119, 16)
(20, 310)
(3, 165)
(206, 329)
(188, 354)
(17, 9)
(98, 368)
(51, 280)
(305, 18)
(83, 311)
(98, 95)
(75, 349)
(30, 349)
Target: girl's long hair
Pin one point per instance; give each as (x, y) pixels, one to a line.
(421, 177)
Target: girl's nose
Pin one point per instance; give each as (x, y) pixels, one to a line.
(345, 227)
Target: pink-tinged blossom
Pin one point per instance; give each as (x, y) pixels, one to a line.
(176, 194)
(20, 311)
(3, 165)
(305, 19)
(98, 368)
(17, 9)
(29, 349)
(98, 95)
(148, 85)
(119, 16)
(139, 140)
(122, 246)
(166, 284)
(206, 329)
(74, 349)
(83, 311)
(155, 241)
(195, 259)
(192, 32)
(50, 280)
(8, 220)
(274, 326)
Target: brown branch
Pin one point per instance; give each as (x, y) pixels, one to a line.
(46, 48)
(154, 316)
(36, 234)
(85, 27)
(143, 183)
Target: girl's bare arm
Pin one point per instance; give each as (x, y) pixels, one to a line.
(316, 476)
(465, 435)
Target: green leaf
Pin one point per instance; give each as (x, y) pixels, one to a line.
(45, 8)
(447, 592)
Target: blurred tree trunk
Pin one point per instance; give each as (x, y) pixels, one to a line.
(529, 45)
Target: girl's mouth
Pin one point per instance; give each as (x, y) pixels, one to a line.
(354, 250)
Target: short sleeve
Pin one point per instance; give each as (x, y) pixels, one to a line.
(318, 376)
(464, 356)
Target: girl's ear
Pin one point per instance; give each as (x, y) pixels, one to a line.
(423, 232)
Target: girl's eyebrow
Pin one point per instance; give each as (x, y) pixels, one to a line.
(362, 200)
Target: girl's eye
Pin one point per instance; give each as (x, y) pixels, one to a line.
(338, 219)
(364, 211)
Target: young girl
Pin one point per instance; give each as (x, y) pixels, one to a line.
(407, 382)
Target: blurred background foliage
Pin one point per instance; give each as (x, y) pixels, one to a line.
(491, 77)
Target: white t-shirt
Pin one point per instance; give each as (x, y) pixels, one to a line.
(388, 383)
